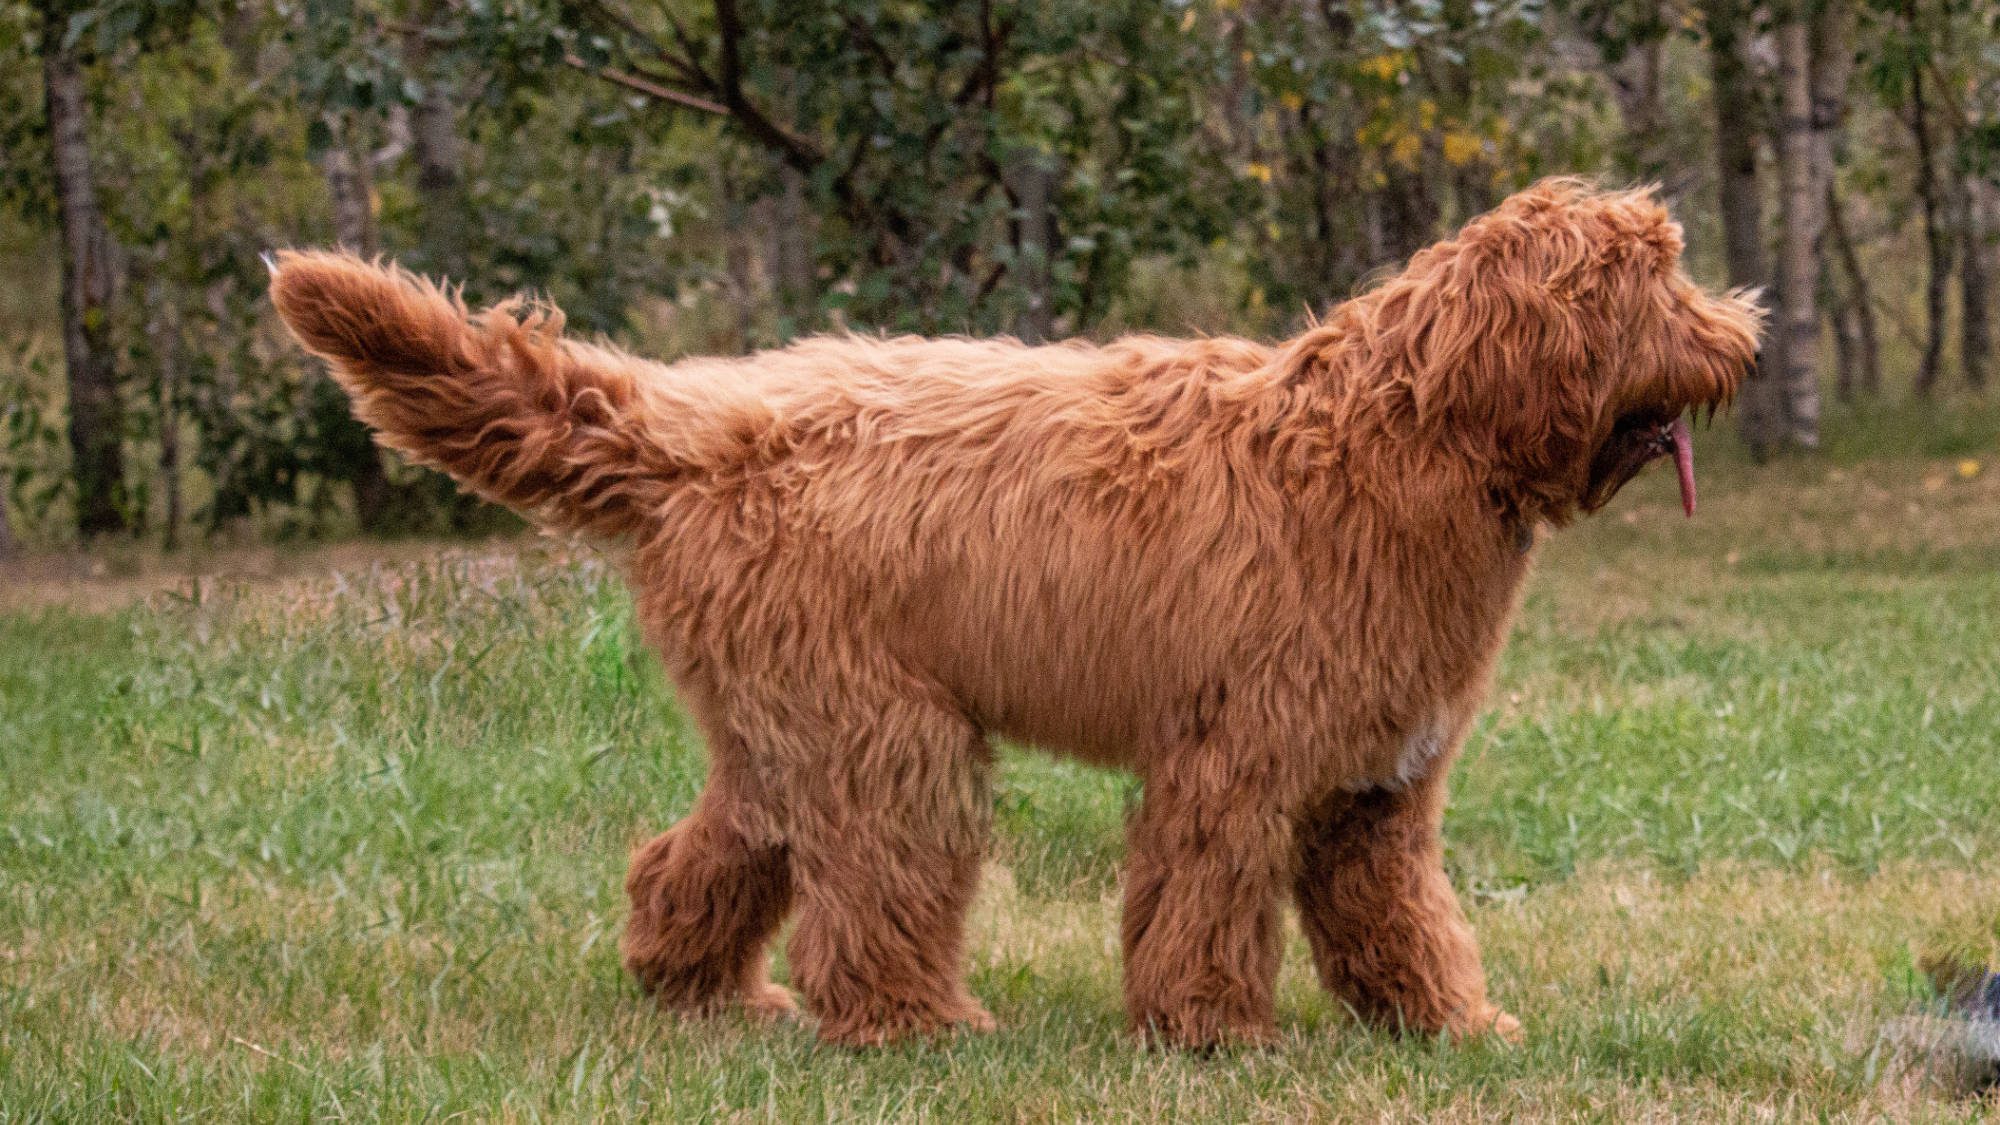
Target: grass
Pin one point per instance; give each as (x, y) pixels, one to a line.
(350, 844)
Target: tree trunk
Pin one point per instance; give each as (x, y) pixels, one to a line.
(443, 218)
(1937, 240)
(1798, 259)
(96, 415)
(1471, 181)
(791, 254)
(1846, 342)
(1405, 217)
(8, 545)
(1975, 281)
(1637, 83)
(434, 132)
(164, 328)
(350, 187)
(1861, 300)
(1033, 182)
(1742, 209)
(739, 263)
(1339, 249)
(1831, 32)
(170, 453)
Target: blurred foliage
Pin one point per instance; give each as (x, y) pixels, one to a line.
(721, 175)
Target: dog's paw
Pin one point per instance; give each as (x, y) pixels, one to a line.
(1492, 1022)
(1200, 1029)
(977, 1021)
(969, 1018)
(771, 1003)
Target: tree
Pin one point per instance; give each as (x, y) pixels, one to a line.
(911, 129)
(342, 71)
(1796, 338)
(1739, 192)
(1976, 225)
(1844, 289)
(350, 182)
(437, 143)
(717, 174)
(1858, 350)
(96, 412)
(8, 545)
(1901, 73)
(1628, 45)
(1975, 83)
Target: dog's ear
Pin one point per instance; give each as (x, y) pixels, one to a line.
(1496, 350)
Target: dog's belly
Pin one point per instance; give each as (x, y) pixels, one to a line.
(1100, 683)
(1101, 710)
(1114, 685)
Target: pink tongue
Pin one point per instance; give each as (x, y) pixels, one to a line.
(1684, 462)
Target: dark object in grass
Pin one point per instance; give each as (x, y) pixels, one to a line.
(1961, 1047)
(1969, 989)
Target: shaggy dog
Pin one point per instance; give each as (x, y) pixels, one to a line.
(1270, 580)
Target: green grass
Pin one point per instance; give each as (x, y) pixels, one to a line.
(351, 845)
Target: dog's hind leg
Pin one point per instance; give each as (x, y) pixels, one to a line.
(1207, 856)
(707, 895)
(886, 808)
(1386, 931)
(710, 892)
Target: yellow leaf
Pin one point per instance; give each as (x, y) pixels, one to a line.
(1386, 67)
(1406, 149)
(1968, 468)
(1258, 170)
(1291, 101)
(1187, 21)
(1427, 113)
(1461, 148)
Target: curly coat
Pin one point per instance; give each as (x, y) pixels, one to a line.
(1272, 581)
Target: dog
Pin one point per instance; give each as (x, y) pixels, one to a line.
(1270, 580)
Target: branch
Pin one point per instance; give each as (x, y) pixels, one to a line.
(649, 88)
(691, 54)
(866, 40)
(802, 154)
(624, 23)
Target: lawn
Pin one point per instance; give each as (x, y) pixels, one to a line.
(349, 842)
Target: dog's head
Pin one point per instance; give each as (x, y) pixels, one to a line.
(1558, 344)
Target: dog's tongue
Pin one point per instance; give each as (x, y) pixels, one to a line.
(1684, 462)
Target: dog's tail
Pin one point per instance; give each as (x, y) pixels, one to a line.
(497, 399)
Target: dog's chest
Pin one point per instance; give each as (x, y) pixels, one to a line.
(1410, 755)
(1420, 751)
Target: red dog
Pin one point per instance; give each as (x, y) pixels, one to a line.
(1272, 581)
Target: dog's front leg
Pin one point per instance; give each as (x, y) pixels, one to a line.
(1202, 884)
(1386, 932)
